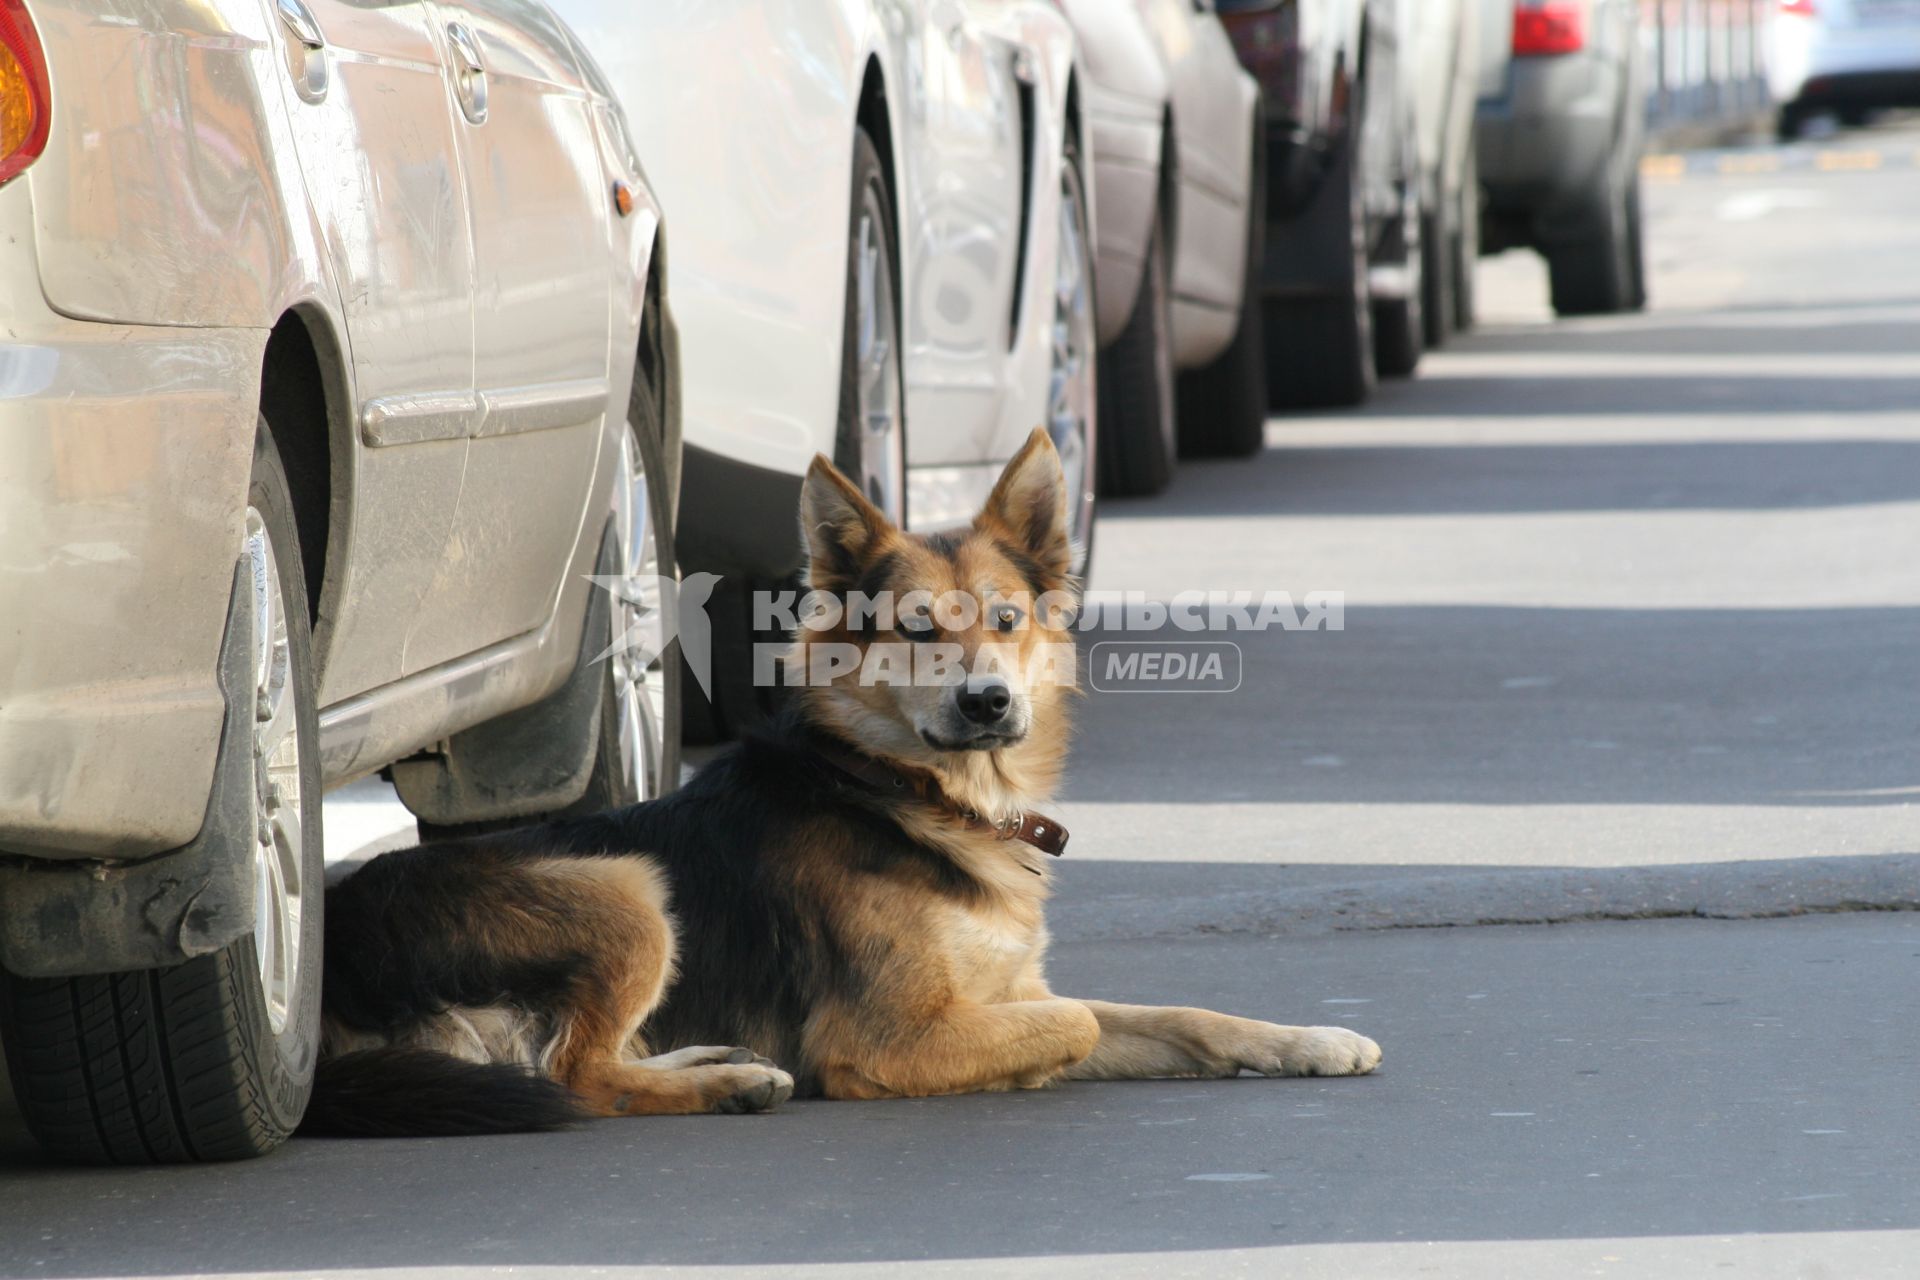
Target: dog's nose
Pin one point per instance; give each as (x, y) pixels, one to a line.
(985, 699)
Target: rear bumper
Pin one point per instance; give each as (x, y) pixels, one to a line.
(59, 919)
(124, 456)
(1549, 141)
(1865, 89)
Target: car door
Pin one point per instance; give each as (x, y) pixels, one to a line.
(371, 120)
(539, 203)
(962, 219)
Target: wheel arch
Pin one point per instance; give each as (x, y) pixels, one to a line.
(874, 114)
(663, 365)
(304, 396)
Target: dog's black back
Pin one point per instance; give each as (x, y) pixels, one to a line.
(753, 848)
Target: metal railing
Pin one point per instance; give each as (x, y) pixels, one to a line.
(1708, 59)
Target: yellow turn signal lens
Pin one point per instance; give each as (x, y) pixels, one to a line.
(16, 103)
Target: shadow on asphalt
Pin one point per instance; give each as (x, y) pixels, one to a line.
(1807, 330)
(1527, 706)
(1527, 479)
(1654, 395)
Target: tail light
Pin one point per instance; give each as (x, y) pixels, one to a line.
(1558, 26)
(1800, 8)
(26, 103)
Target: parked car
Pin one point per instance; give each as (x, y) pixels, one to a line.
(1176, 168)
(336, 354)
(882, 249)
(1446, 65)
(1846, 57)
(1560, 129)
(1343, 257)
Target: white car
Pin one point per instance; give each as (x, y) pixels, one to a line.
(1176, 161)
(334, 360)
(879, 249)
(1847, 57)
(1445, 68)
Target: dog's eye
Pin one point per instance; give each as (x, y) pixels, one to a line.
(1006, 617)
(918, 627)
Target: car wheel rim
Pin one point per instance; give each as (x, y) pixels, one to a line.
(1070, 396)
(278, 795)
(877, 366)
(640, 640)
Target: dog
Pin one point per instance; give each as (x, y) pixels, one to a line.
(849, 904)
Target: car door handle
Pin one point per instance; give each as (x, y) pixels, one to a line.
(306, 49)
(469, 72)
(299, 21)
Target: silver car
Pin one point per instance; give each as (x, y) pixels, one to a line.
(336, 358)
(1560, 126)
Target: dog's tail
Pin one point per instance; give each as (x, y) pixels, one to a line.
(416, 1093)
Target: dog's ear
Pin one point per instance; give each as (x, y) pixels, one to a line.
(1028, 507)
(841, 528)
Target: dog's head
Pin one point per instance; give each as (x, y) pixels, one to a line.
(933, 647)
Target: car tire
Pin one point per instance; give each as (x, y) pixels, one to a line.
(1791, 121)
(1595, 269)
(1138, 436)
(1399, 331)
(1437, 245)
(1320, 349)
(1223, 407)
(1074, 418)
(211, 1059)
(870, 444)
(1636, 250)
(637, 750)
(1465, 245)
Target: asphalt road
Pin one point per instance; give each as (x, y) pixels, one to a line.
(1631, 624)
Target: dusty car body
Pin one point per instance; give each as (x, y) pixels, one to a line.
(384, 274)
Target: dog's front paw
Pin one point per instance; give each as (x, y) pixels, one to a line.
(1314, 1051)
(740, 1089)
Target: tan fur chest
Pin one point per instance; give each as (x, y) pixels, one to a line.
(989, 952)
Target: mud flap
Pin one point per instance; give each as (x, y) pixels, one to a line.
(531, 761)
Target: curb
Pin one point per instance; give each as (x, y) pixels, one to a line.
(1559, 895)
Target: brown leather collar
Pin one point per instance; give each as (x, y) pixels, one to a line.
(1036, 829)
